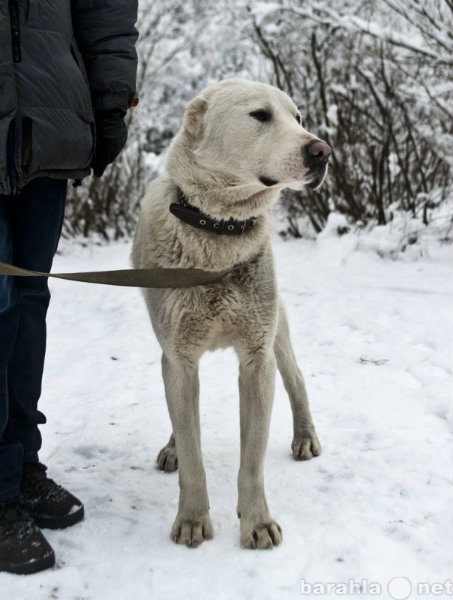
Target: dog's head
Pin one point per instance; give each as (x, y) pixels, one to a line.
(250, 132)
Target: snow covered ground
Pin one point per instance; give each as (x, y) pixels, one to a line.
(374, 339)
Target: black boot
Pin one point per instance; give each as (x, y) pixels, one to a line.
(46, 502)
(23, 548)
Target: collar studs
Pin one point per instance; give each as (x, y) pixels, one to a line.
(193, 216)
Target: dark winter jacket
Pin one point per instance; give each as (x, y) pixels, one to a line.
(59, 61)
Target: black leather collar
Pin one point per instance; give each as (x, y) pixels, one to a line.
(193, 216)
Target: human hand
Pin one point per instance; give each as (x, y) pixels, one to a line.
(111, 136)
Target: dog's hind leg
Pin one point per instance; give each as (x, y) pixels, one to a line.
(256, 388)
(192, 525)
(305, 442)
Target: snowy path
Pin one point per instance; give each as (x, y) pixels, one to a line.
(375, 505)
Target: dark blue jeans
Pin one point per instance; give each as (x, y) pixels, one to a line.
(30, 228)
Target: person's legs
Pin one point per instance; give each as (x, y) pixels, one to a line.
(32, 224)
(36, 227)
(30, 227)
(11, 454)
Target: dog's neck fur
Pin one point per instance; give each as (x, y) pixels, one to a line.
(218, 195)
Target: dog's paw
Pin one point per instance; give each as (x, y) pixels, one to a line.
(262, 536)
(192, 532)
(167, 459)
(306, 446)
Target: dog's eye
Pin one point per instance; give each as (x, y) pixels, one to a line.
(261, 115)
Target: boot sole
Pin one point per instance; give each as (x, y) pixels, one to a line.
(30, 567)
(44, 522)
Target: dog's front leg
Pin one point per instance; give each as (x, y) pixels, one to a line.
(192, 525)
(305, 442)
(256, 389)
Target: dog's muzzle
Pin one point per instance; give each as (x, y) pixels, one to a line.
(316, 156)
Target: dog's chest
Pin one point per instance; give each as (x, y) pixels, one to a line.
(225, 305)
(240, 310)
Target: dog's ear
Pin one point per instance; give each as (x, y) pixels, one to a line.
(194, 116)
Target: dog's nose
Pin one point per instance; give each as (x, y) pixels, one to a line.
(318, 152)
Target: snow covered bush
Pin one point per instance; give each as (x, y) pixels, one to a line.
(376, 82)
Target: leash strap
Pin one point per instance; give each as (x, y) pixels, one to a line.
(143, 278)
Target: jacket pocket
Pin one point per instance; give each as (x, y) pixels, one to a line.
(83, 78)
(33, 12)
(78, 59)
(26, 145)
(62, 140)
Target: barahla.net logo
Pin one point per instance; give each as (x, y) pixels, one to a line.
(398, 588)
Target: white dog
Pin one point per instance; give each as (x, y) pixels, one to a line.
(241, 143)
